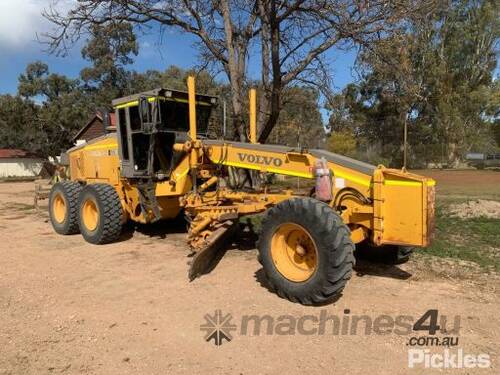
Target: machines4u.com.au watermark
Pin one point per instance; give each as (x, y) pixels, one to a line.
(430, 330)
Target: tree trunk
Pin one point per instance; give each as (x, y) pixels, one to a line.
(276, 87)
(265, 33)
(453, 155)
(235, 69)
(237, 115)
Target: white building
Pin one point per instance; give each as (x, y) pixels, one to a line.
(19, 163)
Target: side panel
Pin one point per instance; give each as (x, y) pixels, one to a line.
(405, 212)
(96, 161)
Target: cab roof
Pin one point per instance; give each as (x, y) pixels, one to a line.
(167, 94)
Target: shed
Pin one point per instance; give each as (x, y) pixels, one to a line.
(102, 122)
(19, 163)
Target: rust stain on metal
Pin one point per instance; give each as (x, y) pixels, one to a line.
(431, 221)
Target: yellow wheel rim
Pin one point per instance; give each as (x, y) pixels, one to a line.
(59, 208)
(90, 214)
(294, 252)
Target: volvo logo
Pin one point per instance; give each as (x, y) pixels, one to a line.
(259, 159)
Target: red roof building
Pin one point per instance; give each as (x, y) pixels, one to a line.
(12, 153)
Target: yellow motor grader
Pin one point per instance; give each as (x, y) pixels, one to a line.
(160, 163)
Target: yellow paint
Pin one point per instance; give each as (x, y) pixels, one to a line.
(350, 177)
(253, 115)
(358, 235)
(396, 206)
(295, 165)
(102, 147)
(90, 215)
(96, 161)
(182, 174)
(192, 107)
(59, 208)
(294, 252)
(181, 181)
(402, 204)
(407, 183)
(268, 170)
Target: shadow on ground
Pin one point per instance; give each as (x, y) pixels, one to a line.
(372, 268)
(245, 239)
(261, 278)
(160, 229)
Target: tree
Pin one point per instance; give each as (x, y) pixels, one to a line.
(496, 132)
(50, 108)
(109, 49)
(18, 124)
(436, 74)
(342, 142)
(300, 121)
(292, 37)
(63, 110)
(38, 82)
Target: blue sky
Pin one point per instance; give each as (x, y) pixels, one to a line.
(19, 26)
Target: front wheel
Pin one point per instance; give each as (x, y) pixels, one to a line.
(306, 251)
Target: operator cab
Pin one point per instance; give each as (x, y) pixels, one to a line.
(148, 126)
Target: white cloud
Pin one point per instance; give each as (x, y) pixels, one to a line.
(21, 20)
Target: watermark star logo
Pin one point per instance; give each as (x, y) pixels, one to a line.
(218, 327)
(440, 330)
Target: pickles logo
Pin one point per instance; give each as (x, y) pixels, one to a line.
(218, 327)
(259, 159)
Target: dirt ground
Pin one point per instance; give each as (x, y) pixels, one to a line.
(476, 208)
(68, 307)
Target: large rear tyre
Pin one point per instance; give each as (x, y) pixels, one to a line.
(63, 206)
(386, 254)
(306, 251)
(99, 214)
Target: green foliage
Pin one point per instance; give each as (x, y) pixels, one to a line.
(475, 240)
(37, 81)
(17, 116)
(436, 74)
(63, 110)
(495, 129)
(342, 142)
(173, 78)
(300, 120)
(66, 104)
(109, 49)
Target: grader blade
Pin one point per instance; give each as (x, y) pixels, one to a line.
(207, 257)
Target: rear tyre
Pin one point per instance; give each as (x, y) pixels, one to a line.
(386, 254)
(99, 214)
(306, 251)
(402, 254)
(63, 207)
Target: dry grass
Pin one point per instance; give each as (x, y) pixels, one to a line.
(466, 239)
(465, 184)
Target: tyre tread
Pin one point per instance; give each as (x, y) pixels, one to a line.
(110, 212)
(340, 258)
(71, 190)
